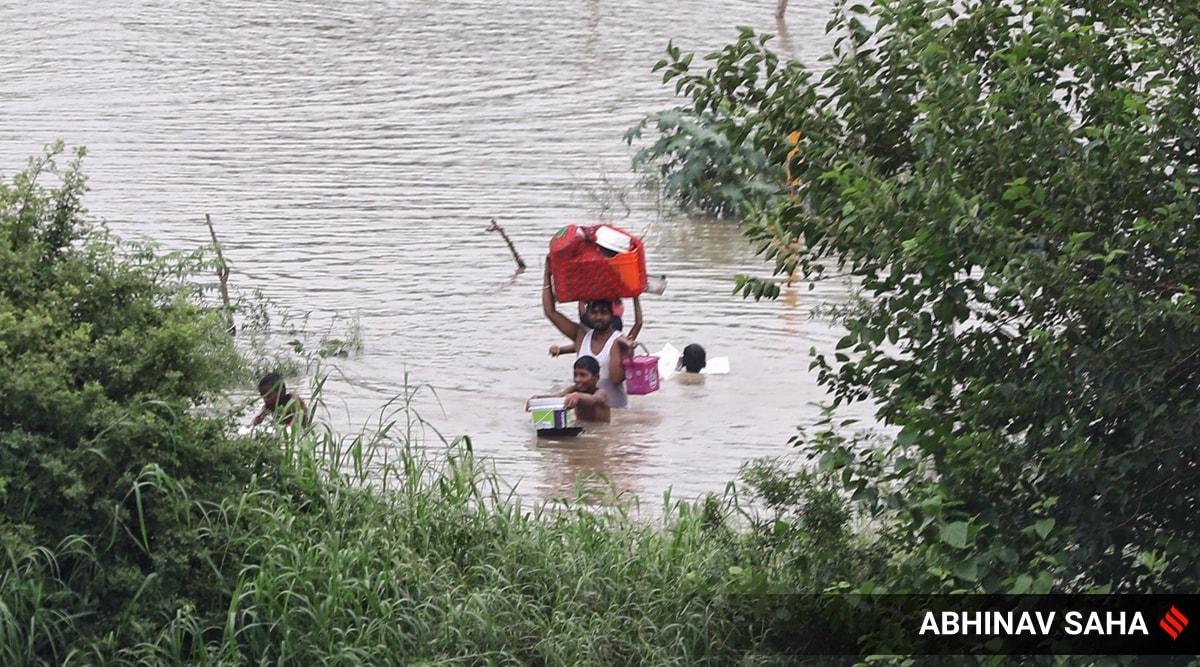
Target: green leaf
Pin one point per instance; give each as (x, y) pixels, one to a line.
(1043, 527)
(955, 534)
(1044, 583)
(967, 570)
(1021, 585)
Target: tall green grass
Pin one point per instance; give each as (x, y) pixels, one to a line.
(386, 550)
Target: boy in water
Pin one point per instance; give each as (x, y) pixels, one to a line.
(693, 359)
(277, 401)
(586, 397)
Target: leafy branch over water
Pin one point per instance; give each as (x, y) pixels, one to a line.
(1015, 187)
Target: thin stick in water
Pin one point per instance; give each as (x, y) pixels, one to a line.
(497, 228)
(223, 275)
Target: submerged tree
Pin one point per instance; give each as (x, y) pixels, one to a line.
(725, 153)
(1014, 184)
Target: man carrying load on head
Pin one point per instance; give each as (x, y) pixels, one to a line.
(597, 342)
(618, 310)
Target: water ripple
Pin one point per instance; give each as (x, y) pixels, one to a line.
(351, 155)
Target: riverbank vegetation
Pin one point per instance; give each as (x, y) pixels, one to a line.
(138, 528)
(1014, 187)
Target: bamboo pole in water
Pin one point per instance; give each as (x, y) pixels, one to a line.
(223, 275)
(497, 228)
(780, 8)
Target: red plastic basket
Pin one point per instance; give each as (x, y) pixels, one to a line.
(581, 270)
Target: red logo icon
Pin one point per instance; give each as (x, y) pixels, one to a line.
(1173, 623)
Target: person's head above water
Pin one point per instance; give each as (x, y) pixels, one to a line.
(618, 309)
(272, 389)
(587, 374)
(600, 314)
(693, 359)
(278, 402)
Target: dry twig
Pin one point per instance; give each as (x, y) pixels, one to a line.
(223, 275)
(497, 228)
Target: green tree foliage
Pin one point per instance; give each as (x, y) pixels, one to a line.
(726, 151)
(1014, 184)
(105, 354)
